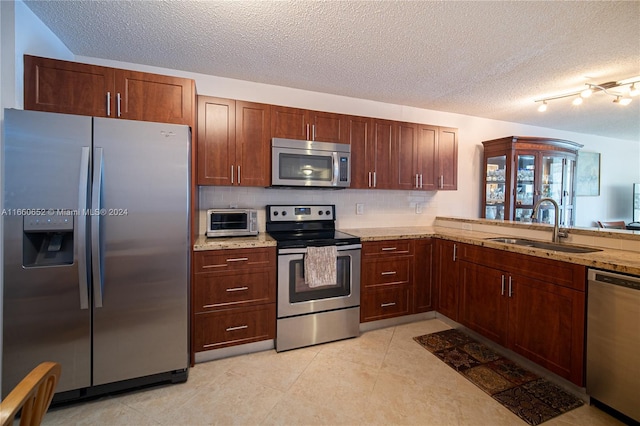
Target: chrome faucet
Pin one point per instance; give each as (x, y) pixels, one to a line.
(556, 229)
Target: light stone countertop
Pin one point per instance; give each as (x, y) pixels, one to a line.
(224, 243)
(610, 259)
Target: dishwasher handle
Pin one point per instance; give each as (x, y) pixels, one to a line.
(614, 279)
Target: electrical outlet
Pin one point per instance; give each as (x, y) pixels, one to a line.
(418, 208)
(359, 208)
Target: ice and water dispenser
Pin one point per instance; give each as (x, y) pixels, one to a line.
(47, 240)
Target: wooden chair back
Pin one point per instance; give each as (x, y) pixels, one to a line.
(617, 224)
(33, 395)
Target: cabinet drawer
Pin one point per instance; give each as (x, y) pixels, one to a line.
(385, 303)
(387, 248)
(230, 327)
(386, 271)
(221, 260)
(217, 291)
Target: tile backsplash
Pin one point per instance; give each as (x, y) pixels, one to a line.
(381, 208)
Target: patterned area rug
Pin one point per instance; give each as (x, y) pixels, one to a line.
(530, 397)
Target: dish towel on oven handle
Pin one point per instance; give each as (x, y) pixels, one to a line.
(320, 266)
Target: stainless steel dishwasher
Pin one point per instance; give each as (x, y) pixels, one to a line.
(613, 341)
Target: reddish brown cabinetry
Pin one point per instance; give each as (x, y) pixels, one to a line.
(294, 123)
(233, 142)
(75, 88)
(531, 305)
(387, 279)
(234, 294)
(446, 278)
(423, 300)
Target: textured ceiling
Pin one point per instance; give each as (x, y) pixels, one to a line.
(487, 59)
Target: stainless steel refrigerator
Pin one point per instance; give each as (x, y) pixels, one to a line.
(96, 251)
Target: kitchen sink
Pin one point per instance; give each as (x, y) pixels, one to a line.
(545, 246)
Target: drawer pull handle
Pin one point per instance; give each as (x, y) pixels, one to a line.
(389, 248)
(240, 327)
(388, 273)
(386, 305)
(238, 259)
(237, 289)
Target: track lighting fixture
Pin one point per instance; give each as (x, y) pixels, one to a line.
(612, 88)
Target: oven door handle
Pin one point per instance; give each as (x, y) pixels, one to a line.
(303, 250)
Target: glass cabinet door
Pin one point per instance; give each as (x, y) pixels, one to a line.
(495, 181)
(551, 186)
(568, 196)
(525, 186)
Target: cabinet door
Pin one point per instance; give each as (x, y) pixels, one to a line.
(67, 87)
(483, 300)
(153, 97)
(216, 141)
(405, 151)
(361, 141)
(383, 136)
(422, 278)
(290, 123)
(546, 325)
(447, 279)
(426, 157)
(328, 127)
(448, 158)
(253, 144)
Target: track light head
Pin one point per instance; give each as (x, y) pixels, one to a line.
(543, 106)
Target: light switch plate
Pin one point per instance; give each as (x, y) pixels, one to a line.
(418, 208)
(359, 208)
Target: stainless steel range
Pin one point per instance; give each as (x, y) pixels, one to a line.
(318, 276)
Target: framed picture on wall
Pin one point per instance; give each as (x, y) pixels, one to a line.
(588, 174)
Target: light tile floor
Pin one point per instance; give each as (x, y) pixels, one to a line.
(381, 378)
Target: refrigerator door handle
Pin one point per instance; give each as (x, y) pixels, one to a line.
(83, 188)
(96, 252)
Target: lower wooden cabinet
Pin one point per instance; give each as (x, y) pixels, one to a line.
(396, 278)
(234, 295)
(531, 305)
(423, 294)
(446, 278)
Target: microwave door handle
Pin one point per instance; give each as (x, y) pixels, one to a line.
(336, 169)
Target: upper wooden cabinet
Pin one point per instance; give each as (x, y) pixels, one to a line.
(395, 155)
(294, 123)
(73, 88)
(446, 164)
(233, 142)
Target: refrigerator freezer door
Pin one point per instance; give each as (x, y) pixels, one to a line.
(141, 327)
(46, 315)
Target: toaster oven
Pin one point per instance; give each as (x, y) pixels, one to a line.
(232, 222)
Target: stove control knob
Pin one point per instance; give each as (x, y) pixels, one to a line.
(284, 213)
(320, 212)
(275, 213)
(328, 212)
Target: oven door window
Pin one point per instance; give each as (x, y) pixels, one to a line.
(299, 291)
(303, 167)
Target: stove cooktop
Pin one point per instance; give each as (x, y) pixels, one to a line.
(305, 225)
(313, 238)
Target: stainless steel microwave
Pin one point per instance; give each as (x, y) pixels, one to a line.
(310, 163)
(232, 222)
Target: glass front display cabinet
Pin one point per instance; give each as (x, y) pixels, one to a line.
(519, 171)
